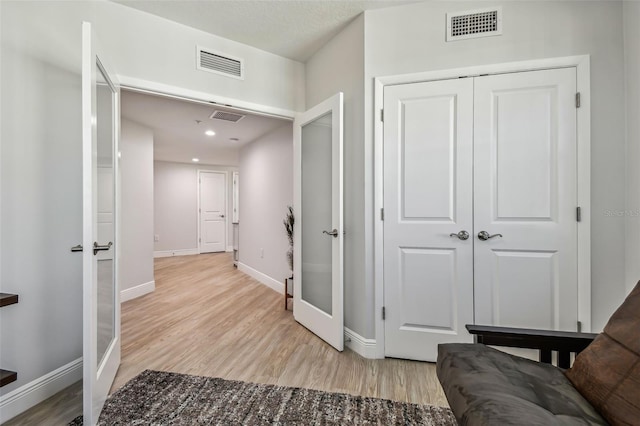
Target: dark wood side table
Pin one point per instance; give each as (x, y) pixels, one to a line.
(287, 295)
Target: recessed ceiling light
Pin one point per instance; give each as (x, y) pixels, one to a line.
(209, 133)
(195, 160)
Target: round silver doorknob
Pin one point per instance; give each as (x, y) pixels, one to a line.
(484, 235)
(462, 235)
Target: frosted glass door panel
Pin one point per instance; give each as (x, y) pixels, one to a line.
(316, 213)
(105, 97)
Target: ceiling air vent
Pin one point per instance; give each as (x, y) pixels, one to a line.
(474, 24)
(226, 116)
(209, 60)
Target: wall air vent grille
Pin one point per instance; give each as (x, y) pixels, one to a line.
(208, 60)
(474, 24)
(226, 116)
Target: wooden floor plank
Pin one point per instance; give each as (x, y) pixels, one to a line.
(207, 318)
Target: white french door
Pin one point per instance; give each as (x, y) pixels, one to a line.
(318, 229)
(428, 216)
(525, 186)
(101, 297)
(495, 157)
(212, 211)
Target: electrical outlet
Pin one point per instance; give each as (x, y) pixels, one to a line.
(261, 253)
(156, 238)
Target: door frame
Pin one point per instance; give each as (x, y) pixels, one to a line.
(583, 140)
(150, 87)
(176, 92)
(226, 206)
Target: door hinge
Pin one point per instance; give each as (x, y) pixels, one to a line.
(578, 214)
(578, 100)
(382, 214)
(382, 115)
(384, 313)
(579, 327)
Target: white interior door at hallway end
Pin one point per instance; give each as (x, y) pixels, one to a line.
(212, 212)
(428, 250)
(494, 156)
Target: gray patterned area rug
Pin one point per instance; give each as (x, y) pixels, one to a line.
(160, 398)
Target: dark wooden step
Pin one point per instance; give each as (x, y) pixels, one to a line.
(7, 377)
(8, 299)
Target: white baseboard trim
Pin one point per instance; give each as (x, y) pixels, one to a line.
(364, 347)
(263, 278)
(170, 253)
(36, 391)
(229, 249)
(137, 291)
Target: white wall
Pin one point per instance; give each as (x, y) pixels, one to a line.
(146, 47)
(266, 189)
(41, 174)
(41, 217)
(339, 67)
(176, 205)
(136, 231)
(631, 13)
(140, 44)
(411, 39)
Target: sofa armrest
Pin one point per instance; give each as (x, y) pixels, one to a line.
(546, 341)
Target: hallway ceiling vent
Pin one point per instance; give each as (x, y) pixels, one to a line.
(209, 60)
(474, 24)
(226, 116)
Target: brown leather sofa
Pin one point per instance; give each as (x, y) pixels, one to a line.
(485, 386)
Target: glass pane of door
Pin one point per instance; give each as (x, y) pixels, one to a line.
(316, 144)
(105, 125)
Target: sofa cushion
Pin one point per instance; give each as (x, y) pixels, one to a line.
(607, 372)
(485, 386)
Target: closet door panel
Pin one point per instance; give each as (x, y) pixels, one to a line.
(428, 270)
(525, 198)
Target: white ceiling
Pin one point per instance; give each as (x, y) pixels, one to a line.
(295, 29)
(177, 136)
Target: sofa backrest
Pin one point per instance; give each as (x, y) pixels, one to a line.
(607, 372)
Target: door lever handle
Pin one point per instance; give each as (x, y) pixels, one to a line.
(484, 235)
(76, 248)
(333, 233)
(462, 235)
(97, 247)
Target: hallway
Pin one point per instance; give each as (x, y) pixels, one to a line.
(207, 318)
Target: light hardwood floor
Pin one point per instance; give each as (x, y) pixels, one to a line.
(206, 318)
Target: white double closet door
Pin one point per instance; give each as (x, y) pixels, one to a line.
(480, 197)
